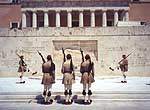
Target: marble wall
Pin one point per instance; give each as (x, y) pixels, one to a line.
(105, 45)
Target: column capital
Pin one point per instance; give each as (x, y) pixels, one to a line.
(115, 10)
(92, 10)
(104, 10)
(57, 11)
(34, 11)
(126, 10)
(23, 11)
(69, 11)
(45, 11)
(81, 10)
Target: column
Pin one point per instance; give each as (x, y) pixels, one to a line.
(80, 18)
(92, 18)
(104, 19)
(57, 18)
(126, 15)
(69, 18)
(46, 19)
(24, 20)
(34, 20)
(115, 17)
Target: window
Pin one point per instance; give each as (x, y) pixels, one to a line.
(110, 23)
(75, 23)
(14, 25)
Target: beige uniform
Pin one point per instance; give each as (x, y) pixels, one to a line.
(67, 73)
(47, 75)
(22, 66)
(124, 65)
(87, 77)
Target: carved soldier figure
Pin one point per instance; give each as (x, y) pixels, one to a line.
(124, 67)
(68, 77)
(48, 69)
(87, 78)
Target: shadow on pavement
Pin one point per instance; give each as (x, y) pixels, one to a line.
(59, 99)
(79, 101)
(40, 99)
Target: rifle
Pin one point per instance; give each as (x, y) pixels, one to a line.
(81, 70)
(120, 62)
(126, 57)
(63, 51)
(41, 57)
(82, 54)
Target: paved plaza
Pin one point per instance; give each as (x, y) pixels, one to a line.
(108, 94)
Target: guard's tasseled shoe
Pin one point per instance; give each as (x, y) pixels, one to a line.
(123, 81)
(34, 73)
(44, 93)
(22, 82)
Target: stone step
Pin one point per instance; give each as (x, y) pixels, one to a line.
(57, 96)
(94, 96)
(74, 100)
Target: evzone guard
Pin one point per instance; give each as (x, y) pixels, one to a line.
(48, 69)
(68, 77)
(87, 78)
(22, 67)
(123, 64)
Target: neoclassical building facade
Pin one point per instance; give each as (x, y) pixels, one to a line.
(74, 13)
(71, 13)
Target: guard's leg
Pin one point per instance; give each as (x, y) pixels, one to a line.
(89, 93)
(44, 93)
(49, 93)
(66, 92)
(84, 92)
(21, 77)
(70, 93)
(124, 77)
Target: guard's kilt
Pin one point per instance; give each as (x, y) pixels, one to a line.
(87, 79)
(124, 68)
(67, 78)
(47, 79)
(22, 69)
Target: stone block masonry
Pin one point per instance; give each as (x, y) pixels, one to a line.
(105, 45)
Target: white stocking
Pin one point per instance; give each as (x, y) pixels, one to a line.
(49, 87)
(89, 96)
(70, 96)
(45, 96)
(45, 87)
(124, 76)
(66, 89)
(84, 88)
